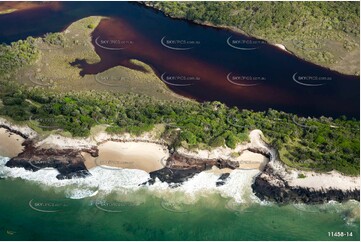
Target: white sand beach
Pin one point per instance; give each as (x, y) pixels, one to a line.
(328, 180)
(315, 180)
(144, 153)
(10, 143)
(132, 155)
(251, 160)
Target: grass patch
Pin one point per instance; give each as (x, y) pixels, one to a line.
(53, 72)
(301, 175)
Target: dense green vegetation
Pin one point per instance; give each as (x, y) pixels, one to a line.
(268, 17)
(321, 32)
(322, 144)
(319, 144)
(16, 55)
(54, 39)
(55, 66)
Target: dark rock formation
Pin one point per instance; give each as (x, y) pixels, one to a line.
(271, 187)
(262, 151)
(181, 162)
(222, 179)
(14, 131)
(170, 175)
(69, 162)
(179, 168)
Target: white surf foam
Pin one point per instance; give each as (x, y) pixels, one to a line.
(78, 193)
(3, 160)
(102, 179)
(237, 186)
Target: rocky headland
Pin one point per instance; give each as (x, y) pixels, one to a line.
(275, 182)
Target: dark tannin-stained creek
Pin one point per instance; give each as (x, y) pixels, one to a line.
(200, 62)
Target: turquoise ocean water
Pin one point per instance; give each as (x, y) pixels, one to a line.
(30, 210)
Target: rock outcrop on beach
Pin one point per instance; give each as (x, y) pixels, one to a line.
(15, 131)
(69, 162)
(271, 186)
(179, 168)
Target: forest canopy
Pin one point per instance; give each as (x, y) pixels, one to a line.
(323, 32)
(308, 143)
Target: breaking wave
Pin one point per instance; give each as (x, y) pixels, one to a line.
(105, 181)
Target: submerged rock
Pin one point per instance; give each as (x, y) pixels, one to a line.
(222, 179)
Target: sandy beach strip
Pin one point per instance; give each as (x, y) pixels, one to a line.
(318, 181)
(251, 160)
(249, 166)
(22, 129)
(131, 155)
(10, 143)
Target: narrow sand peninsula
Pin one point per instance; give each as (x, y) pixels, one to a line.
(10, 143)
(131, 155)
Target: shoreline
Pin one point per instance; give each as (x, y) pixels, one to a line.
(180, 165)
(247, 154)
(11, 143)
(272, 186)
(223, 27)
(240, 31)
